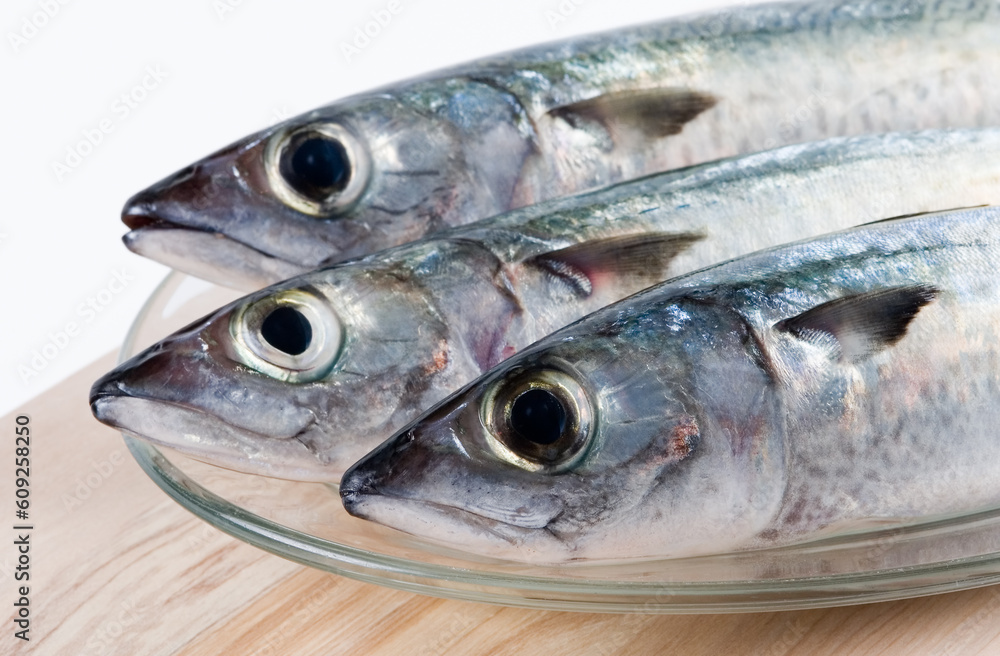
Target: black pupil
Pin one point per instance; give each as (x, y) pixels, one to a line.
(538, 416)
(315, 166)
(287, 330)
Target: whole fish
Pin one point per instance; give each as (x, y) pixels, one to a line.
(303, 378)
(386, 167)
(791, 393)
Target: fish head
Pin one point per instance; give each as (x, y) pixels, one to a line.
(339, 182)
(630, 434)
(296, 381)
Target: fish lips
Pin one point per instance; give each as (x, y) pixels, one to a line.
(417, 488)
(449, 526)
(210, 256)
(124, 399)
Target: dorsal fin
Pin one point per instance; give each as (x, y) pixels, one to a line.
(857, 326)
(652, 112)
(644, 257)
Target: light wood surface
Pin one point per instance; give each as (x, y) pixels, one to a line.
(119, 568)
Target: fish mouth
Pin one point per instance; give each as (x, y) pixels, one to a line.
(206, 437)
(454, 527)
(141, 219)
(217, 258)
(531, 538)
(140, 214)
(141, 210)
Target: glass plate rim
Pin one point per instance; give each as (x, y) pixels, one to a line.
(586, 595)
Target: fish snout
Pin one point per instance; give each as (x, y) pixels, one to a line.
(166, 371)
(376, 473)
(140, 211)
(353, 487)
(356, 486)
(131, 377)
(109, 395)
(106, 388)
(176, 201)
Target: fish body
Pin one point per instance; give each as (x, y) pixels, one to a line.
(788, 394)
(391, 334)
(388, 166)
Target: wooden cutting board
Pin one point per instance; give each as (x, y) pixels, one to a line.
(118, 568)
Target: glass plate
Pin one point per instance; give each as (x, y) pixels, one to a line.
(306, 523)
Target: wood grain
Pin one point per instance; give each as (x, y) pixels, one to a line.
(119, 568)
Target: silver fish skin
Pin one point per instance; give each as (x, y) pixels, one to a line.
(396, 332)
(789, 394)
(386, 167)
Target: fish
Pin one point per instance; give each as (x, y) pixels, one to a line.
(303, 378)
(847, 381)
(389, 166)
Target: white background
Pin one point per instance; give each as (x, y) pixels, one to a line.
(231, 67)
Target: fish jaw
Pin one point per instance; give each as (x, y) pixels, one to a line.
(451, 525)
(210, 256)
(183, 428)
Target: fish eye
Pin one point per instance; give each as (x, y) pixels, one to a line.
(538, 416)
(318, 169)
(287, 330)
(540, 420)
(292, 335)
(315, 165)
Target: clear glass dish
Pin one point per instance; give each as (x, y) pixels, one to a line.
(306, 523)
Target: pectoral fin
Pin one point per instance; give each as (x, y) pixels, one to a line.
(643, 259)
(653, 113)
(855, 327)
